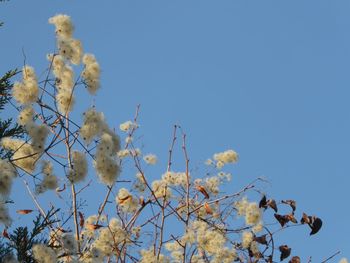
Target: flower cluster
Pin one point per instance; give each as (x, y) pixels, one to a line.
(251, 211)
(150, 159)
(26, 154)
(69, 48)
(175, 178)
(4, 215)
(79, 169)
(49, 181)
(106, 163)
(208, 240)
(44, 254)
(91, 73)
(127, 201)
(64, 83)
(222, 158)
(69, 243)
(161, 189)
(127, 126)
(93, 125)
(149, 256)
(7, 174)
(26, 92)
(38, 135)
(24, 157)
(247, 238)
(105, 239)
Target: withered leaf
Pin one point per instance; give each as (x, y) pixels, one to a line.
(58, 190)
(203, 191)
(124, 199)
(295, 259)
(5, 234)
(24, 211)
(282, 219)
(291, 218)
(208, 209)
(263, 202)
(142, 201)
(81, 219)
(272, 203)
(93, 226)
(285, 252)
(291, 203)
(261, 240)
(315, 225)
(305, 219)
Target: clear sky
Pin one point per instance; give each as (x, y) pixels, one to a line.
(269, 79)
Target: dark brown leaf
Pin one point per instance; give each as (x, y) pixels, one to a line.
(272, 203)
(5, 234)
(263, 202)
(285, 252)
(295, 259)
(315, 225)
(305, 219)
(282, 219)
(291, 203)
(291, 218)
(261, 240)
(81, 219)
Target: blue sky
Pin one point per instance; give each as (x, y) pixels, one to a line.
(269, 79)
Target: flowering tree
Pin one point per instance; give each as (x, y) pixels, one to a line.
(176, 218)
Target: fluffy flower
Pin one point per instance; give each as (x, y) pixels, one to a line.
(176, 179)
(79, 167)
(161, 189)
(43, 254)
(247, 238)
(71, 49)
(126, 126)
(127, 201)
(123, 153)
(38, 134)
(258, 227)
(69, 243)
(49, 181)
(65, 101)
(91, 73)
(148, 256)
(4, 215)
(222, 158)
(63, 24)
(27, 91)
(24, 157)
(109, 237)
(93, 125)
(7, 174)
(106, 163)
(150, 159)
(140, 184)
(253, 214)
(25, 116)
